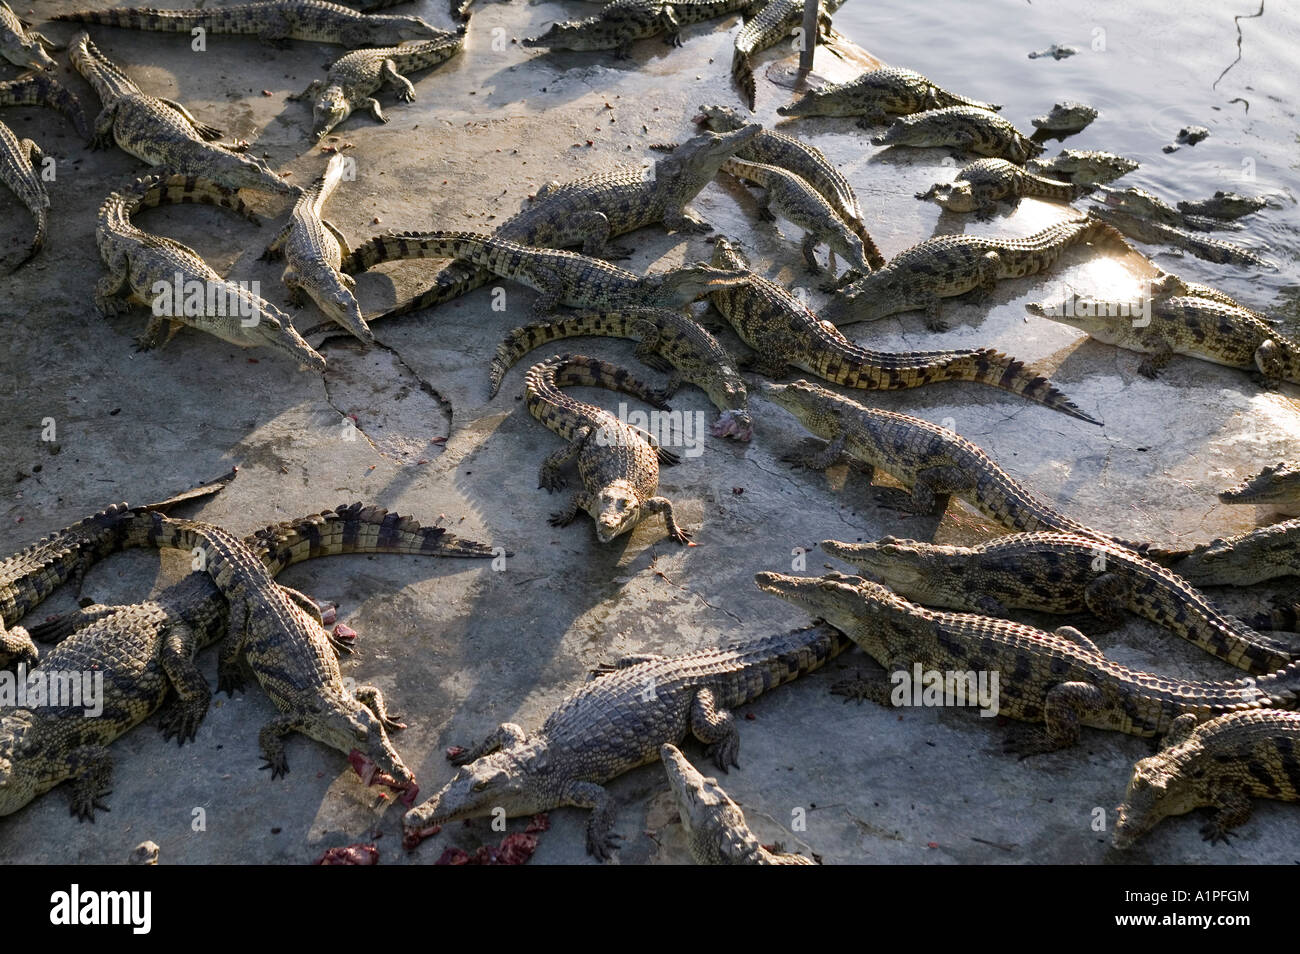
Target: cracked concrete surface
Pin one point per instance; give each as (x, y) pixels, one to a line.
(458, 648)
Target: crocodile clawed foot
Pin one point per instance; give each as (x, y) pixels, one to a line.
(858, 688)
(1028, 743)
(560, 519)
(1214, 833)
(230, 681)
(603, 846)
(277, 762)
(725, 754)
(181, 722)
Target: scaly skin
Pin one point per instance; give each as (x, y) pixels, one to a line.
(617, 463)
(804, 160)
(561, 277)
(42, 89)
(22, 47)
(877, 94)
(795, 200)
(161, 132)
(933, 461)
(1157, 233)
(1084, 167)
(948, 265)
(313, 251)
(1187, 325)
(617, 723)
(18, 171)
(137, 261)
(273, 21)
(784, 332)
(33, 573)
(715, 825)
(591, 211)
(665, 339)
(968, 128)
(1264, 553)
(1065, 118)
(1220, 764)
(622, 23)
(980, 186)
(1279, 484)
(1223, 205)
(1057, 680)
(146, 652)
(774, 23)
(1146, 205)
(1063, 574)
(353, 79)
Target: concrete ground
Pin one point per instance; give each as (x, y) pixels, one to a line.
(459, 648)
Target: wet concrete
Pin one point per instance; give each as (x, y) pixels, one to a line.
(458, 647)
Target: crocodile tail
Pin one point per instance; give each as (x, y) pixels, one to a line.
(524, 339)
(577, 370)
(869, 247)
(396, 246)
(450, 283)
(139, 18)
(999, 370)
(152, 191)
(742, 71)
(943, 98)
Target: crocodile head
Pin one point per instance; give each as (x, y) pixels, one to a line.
(719, 118)
(616, 508)
(267, 326)
(337, 301)
(917, 570)
(511, 779)
(709, 816)
(853, 605)
(679, 287)
(1272, 485)
(1066, 117)
(826, 101)
(394, 29)
(345, 724)
(956, 196)
(692, 165)
(1260, 555)
(1277, 360)
(1087, 168)
(25, 52)
(816, 408)
(330, 109)
(1160, 787)
(593, 33)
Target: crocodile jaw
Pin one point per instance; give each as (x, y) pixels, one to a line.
(1273, 485)
(507, 780)
(838, 599)
(330, 109)
(910, 568)
(616, 510)
(29, 55)
(580, 35)
(1153, 795)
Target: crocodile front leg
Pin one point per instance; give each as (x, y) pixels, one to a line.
(1154, 363)
(716, 728)
(830, 455)
(182, 717)
(1105, 598)
(102, 135)
(579, 504)
(110, 289)
(809, 248)
(601, 839)
(271, 742)
(1063, 709)
(1231, 808)
(679, 220)
(550, 476)
(935, 485)
(405, 89)
(373, 699)
(505, 736)
(664, 506)
(375, 109)
(91, 771)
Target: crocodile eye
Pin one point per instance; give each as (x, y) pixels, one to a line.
(480, 785)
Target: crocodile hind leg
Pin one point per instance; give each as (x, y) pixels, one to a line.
(90, 768)
(579, 503)
(1062, 711)
(17, 648)
(182, 717)
(665, 506)
(1104, 597)
(112, 287)
(601, 839)
(809, 249)
(271, 742)
(373, 699)
(935, 485)
(1154, 363)
(205, 132)
(505, 736)
(1231, 808)
(716, 728)
(873, 685)
(232, 670)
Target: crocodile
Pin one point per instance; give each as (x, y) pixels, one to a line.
(967, 128)
(162, 132)
(1058, 680)
(666, 339)
(948, 265)
(795, 200)
(1221, 765)
(353, 79)
(617, 462)
(775, 22)
(1202, 246)
(1255, 556)
(793, 155)
(590, 211)
(981, 185)
(715, 826)
(615, 724)
(313, 249)
(145, 651)
(1147, 205)
(141, 266)
(1161, 327)
(1065, 119)
(783, 332)
(272, 21)
(42, 89)
(1223, 205)
(622, 23)
(18, 160)
(1084, 167)
(877, 94)
(1278, 484)
(1062, 574)
(561, 277)
(933, 461)
(33, 573)
(21, 46)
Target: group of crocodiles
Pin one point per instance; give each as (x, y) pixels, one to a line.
(941, 607)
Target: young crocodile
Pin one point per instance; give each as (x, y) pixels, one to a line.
(1065, 119)
(933, 461)
(1275, 485)
(1223, 205)
(617, 463)
(353, 79)
(968, 128)
(273, 21)
(949, 265)
(1058, 680)
(1147, 205)
(21, 46)
(42, 89)
(980, 186)
(622, 23)
(561, 277)
(775, 22)
(18, 171)
(146, 269)
(798, 202)
(876, 94)
(1062, 573)
(162, 132)
(615, 724)
(591, 211)
(1255, 556)
(665, 339)
(715, 826)
(1084, 167)
(1202, 246)
(145, 652)
(313, 249)
(1220, 764)
(1161, 327)
(783, 331)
